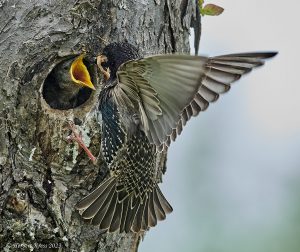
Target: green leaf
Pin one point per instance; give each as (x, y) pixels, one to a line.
(200, 2)
(210, 9)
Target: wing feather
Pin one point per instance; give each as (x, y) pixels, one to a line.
(170, 89)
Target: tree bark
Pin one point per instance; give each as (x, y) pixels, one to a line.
(42, 176)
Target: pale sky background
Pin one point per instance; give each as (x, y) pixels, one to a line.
(233, 175)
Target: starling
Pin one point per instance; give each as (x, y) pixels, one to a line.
(64, 85)
(145, 102)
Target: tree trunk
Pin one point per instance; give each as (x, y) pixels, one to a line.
(42, 176)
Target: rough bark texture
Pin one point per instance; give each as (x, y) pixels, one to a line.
(42, 176)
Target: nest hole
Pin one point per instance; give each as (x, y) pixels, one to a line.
(60, 98)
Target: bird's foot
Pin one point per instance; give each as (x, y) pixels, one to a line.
(77, 137)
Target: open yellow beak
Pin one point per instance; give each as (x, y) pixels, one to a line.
(80, 74)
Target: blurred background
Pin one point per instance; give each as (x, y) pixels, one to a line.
(233, 175)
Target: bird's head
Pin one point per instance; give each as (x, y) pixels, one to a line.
(80, 74)
(113, 56)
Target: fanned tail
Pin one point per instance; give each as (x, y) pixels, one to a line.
(107, 207)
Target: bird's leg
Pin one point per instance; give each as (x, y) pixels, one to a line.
(77, 137)
(101, 59)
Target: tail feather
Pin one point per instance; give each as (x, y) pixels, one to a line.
(138, 219)
(159, 210)
(107, 218)
(132, 214)
(100, 212)
(124, 213)
(163, 202)
(116, 220)
(93, 204)
(145, 223)
(152, 219)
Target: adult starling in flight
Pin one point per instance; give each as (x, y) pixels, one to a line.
(64, 85)
(145, 102)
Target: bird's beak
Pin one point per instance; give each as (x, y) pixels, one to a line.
(80, 74)
(106, 72)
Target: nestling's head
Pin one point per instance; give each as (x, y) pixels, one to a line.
(115, 54)
(74, 72)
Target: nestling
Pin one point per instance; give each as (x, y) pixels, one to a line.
(64, 84)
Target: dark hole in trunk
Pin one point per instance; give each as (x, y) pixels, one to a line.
(58, 97)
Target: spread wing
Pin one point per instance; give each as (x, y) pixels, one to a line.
(221, 72)
(169, 89)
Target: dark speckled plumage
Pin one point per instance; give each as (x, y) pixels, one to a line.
(113, 133)
(145, 104)
(117, 54)
(130, 200)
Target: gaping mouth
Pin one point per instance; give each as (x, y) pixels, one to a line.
(80, 74)
(106, 72)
